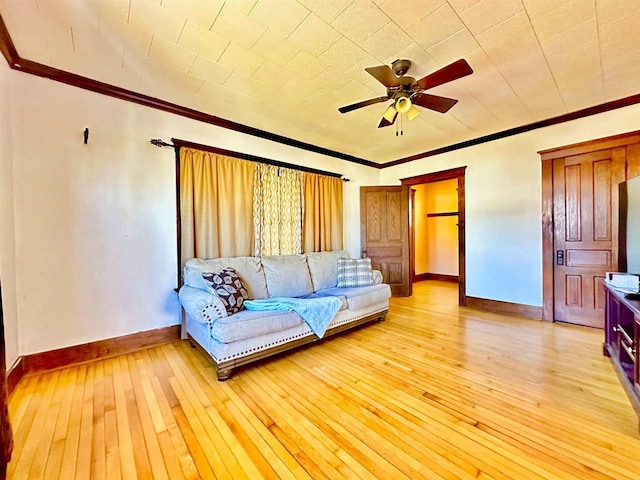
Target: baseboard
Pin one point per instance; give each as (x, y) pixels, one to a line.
(435, 276)
(14, 375)
(110, 347)
(508, 308)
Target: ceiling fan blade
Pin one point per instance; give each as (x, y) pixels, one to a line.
(434, 102)
(385, 123)
(384, 75)
(453, 71)
(365, 103)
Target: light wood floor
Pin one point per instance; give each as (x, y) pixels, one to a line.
(436, 391)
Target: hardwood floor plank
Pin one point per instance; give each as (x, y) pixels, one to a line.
(98, 447)
(83, 463)
(124, 446)
(177, 448)
(49, 407)
(195, 406)
(436, 391)
(111, 453)
(144, 411)
(23, 450)
(198, 430)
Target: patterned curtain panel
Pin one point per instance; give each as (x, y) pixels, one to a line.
(216, 212)
(291, 208)
(323, 217)
(266, 210)
(277, 211)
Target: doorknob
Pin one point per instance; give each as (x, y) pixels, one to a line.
(560, 257)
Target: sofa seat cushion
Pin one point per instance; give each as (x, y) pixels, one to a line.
(248, 268)
(323, 267)
(360, 297)
(287, 275)
(342, 298)
(247, 324)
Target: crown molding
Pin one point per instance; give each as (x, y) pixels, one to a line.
(27, 66)
(567, 117)
(34, 68)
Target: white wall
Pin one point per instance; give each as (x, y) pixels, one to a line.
(7, 242)
(95, 224)
(503, 202)
(94, 242)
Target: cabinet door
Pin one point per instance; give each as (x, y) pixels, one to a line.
(636, 348)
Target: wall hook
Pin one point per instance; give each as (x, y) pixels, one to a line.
(86, 135)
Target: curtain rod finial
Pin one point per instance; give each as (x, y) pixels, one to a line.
(158, 142)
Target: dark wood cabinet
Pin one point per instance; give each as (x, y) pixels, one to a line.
(622, 338)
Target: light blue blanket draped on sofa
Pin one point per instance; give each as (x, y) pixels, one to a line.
(316, 312)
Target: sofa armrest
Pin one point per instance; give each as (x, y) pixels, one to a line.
(376, 277)
(200, 305)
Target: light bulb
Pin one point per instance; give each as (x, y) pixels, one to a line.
(403, 104)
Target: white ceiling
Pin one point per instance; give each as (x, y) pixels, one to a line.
(285, 66)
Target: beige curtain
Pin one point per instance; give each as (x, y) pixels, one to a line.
(277, 210)
(216, 205)
(231, 207)
(323, 215)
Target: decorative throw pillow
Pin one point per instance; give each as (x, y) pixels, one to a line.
(354, 272)
(228, 286)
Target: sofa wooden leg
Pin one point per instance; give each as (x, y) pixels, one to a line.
(224, 374)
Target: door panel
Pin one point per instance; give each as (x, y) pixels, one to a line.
(384, 215)
(585, 232)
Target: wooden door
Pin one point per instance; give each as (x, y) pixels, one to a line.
(384, 220)
(585, 211)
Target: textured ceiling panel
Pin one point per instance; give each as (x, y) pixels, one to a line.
(285, 66)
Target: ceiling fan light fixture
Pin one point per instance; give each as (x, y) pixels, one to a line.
(389, 114)
(413, 112)
(403, 104)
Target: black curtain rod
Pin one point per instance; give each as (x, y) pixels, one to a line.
(177, 144)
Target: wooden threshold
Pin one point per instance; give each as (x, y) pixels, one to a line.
(441, 277)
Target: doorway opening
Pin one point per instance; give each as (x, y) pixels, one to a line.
(446, 217)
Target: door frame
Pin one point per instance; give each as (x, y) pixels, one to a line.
(454, 173)
(631, 141)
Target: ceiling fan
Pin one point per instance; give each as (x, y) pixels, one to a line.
(406, 92)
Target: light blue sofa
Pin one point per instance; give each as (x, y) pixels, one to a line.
(230, 341)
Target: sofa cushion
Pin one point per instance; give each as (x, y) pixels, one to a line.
(354, 272)
(228, 286)
(287, 275)
(343, 299)
(248, 323)
(323, 267)
(360, 297)
(248, 268)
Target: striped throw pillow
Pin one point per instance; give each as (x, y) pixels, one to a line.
(354, 272)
